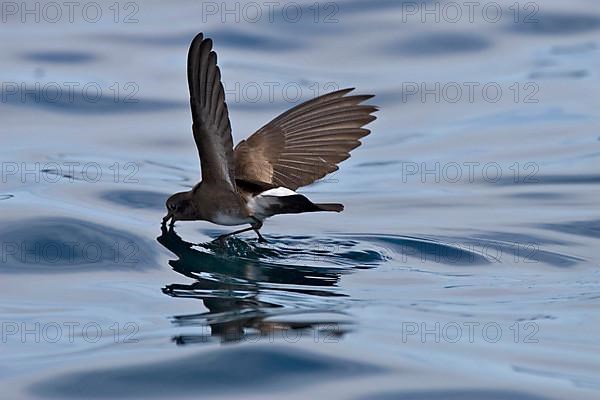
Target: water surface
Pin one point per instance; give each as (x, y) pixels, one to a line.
(464, 266)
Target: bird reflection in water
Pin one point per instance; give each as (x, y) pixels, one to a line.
(250, 294)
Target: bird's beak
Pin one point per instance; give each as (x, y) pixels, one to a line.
(167, 218)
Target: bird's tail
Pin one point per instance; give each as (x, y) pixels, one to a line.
(337, 207)
(271, 203)
(298, 203)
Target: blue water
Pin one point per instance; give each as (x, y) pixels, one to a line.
(464, 266)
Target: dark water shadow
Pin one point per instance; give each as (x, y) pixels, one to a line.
(562, 75)
(248, 289)
(415, 250)
(359, 6)
(490, 249)
(232, 371)
(527, 251)
(581, 228)
(455, 394)
(143, 199)
(60, 57)
(291, 283)
(432, 44)
(75, 100)
(537, 196)
(245, 40)
(534, 179)
(318, 18)
(69, 244)
(556, 24)
(222, 38)
(573, 49)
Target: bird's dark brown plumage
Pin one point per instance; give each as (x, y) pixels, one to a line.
(257, 179)
(211, 126)
(306, 142)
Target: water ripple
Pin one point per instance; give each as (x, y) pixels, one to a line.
(558, 24)
(455, 394)
(582, 228)
(58, 244)
(210, 372)
(442, 44)
(49, 97)
(145, 199)
(66, 57)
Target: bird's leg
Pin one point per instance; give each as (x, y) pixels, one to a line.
(256, 227)
(222, 237)
(261, 239)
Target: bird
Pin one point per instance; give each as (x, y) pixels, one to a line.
(259, 177)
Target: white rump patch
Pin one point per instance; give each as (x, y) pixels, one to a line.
(261, 202)
(279, 192)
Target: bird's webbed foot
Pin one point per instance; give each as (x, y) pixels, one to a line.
(256, 228)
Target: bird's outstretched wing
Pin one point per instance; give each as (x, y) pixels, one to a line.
(306, 142)
(211, 126)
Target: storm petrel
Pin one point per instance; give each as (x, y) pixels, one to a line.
(258, 178)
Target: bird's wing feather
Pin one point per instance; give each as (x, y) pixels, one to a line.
(210, 117)
(306, 142)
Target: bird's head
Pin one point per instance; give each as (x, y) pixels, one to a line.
(179, 207)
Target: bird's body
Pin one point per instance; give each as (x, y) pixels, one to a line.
(258, 178)
(223, 207)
